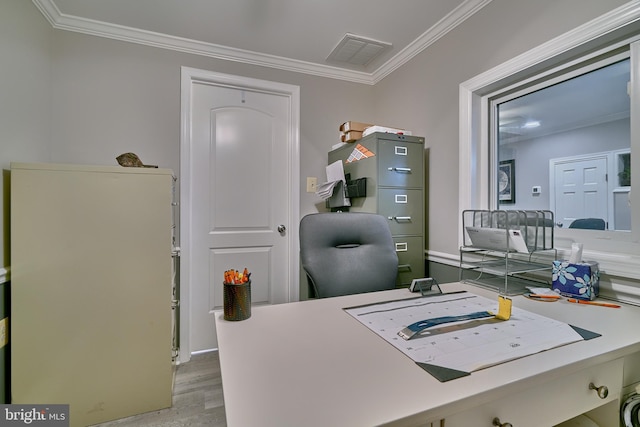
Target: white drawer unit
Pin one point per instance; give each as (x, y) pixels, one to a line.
(550, 403)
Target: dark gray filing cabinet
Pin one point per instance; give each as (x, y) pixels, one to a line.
(395, 189)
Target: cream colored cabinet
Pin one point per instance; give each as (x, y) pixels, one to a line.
(91, 289)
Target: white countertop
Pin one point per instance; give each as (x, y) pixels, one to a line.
(311, 364)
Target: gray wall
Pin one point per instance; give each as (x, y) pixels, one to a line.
(25, 95)
(74, 98)
(111, 97)
(532, 157)
(423, 94)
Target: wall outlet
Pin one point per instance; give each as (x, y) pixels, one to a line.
(312, 184)
(4, 332)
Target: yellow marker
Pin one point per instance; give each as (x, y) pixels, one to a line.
(504, 308)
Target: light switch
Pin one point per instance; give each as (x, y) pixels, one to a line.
(312, 184)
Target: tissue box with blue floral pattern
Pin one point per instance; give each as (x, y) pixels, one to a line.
(581, 280)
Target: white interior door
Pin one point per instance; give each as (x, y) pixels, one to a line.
(580, 190)
(243, 139)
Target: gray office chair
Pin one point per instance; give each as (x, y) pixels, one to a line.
(588, 223)
(347, 253)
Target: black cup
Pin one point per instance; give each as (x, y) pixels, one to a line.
(237, 301)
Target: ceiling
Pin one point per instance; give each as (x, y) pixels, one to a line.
(297, 35)
(599, 96)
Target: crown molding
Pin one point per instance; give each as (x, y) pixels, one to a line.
(433, 34)
(77, 24)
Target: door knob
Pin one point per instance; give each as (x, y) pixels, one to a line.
(282, 228)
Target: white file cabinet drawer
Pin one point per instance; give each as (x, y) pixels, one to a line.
(550, 403)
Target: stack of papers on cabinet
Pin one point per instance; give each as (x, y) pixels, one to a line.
(336, 182)
(325, 190)
(372, 129)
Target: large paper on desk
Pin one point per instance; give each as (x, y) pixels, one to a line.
(453, 350)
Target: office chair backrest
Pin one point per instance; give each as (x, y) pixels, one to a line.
(588, 223)
(347, 253)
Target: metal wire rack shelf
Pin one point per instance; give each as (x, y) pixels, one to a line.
(507, 250)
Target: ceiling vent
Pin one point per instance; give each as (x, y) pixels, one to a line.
(357, 50)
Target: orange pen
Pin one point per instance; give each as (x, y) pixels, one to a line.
(601, 304)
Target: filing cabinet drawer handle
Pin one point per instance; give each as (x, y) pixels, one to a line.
(401, 170)
(400, 218)
(404, 266)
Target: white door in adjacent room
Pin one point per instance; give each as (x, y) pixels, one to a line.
(239, 195)
(580, 190)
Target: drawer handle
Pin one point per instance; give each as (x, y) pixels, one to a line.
(404, 267)
(403, 170)
(498, 423)
(602, 391)
(400, 218)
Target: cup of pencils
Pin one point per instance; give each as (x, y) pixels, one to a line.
(237, 295)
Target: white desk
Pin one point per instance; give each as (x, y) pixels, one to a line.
(311, 364)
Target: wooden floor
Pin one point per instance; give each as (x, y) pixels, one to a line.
(197, 398)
